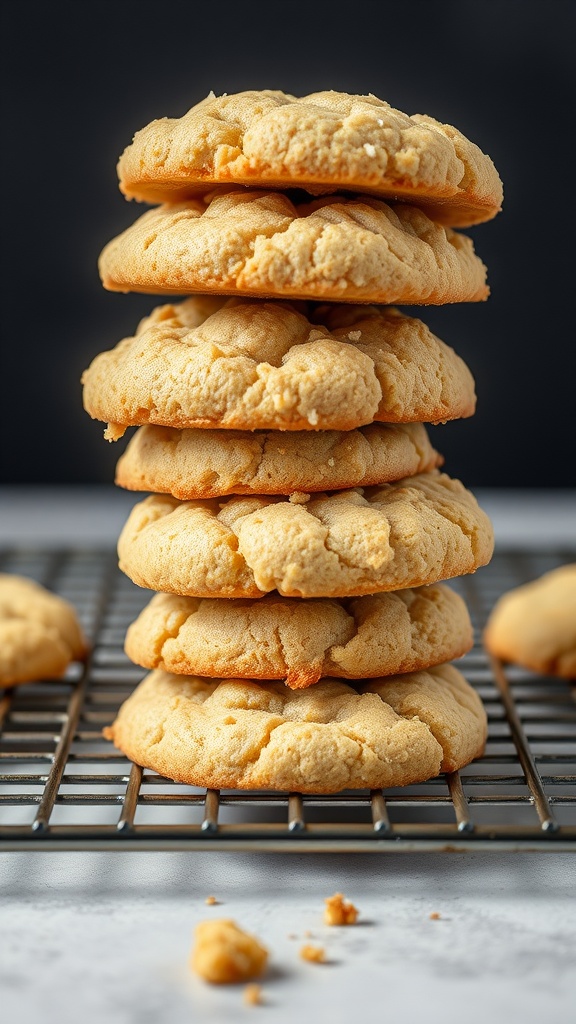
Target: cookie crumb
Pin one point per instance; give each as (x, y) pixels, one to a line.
(435, 916)
(253, 995)
(299, 498)
(354, 335)
(224, 954)
(339, 911)
(314, 954)
(211, 901)
(114, 431)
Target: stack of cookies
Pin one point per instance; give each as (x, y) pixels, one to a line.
(299, 525)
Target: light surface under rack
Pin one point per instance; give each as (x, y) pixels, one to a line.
(63, 787)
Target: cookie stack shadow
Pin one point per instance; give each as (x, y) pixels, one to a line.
(299, 524)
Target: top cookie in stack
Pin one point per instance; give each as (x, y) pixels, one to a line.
(321, 143)
(285, 388)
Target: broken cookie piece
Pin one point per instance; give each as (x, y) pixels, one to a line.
(253, 995)
(224, 954)
(315, 954)
(339, 911)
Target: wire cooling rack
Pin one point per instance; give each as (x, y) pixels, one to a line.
(63, 787)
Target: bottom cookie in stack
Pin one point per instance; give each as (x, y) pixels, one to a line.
(242, 734)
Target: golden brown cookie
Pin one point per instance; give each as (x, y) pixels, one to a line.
(245, 735)
(301, 641)
(268, 366)
(322, 143)
(535, 625)
(336, 249)
(406, 534)
(39, 632)
(212, 463)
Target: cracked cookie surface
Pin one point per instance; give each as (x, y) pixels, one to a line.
(301, 641)
(535, 625)
(322, 143)
(247, 735)
(261, 244)
(212, 362)
(39, 632)
(416, 531)
(211, 463)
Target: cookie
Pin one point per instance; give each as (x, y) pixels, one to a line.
(535, 625)
(39, 632)
(260, 244)
(245, 735)
(212, 463)
(406, 534)
(269, 366)
(322, 143)
(301, 641)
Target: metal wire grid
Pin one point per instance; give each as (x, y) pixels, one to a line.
(63, 787)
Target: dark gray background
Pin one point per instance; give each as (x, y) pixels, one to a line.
(80, 78)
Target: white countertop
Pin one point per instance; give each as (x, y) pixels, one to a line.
(97, 937)
(106, 937)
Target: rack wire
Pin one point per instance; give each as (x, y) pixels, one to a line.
(63, 787)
